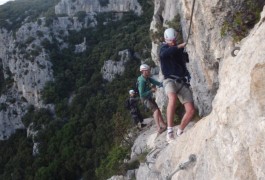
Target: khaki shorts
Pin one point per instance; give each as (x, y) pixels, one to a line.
(183, 92)
(150, 104)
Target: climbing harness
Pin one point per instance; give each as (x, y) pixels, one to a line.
(184, 81)
(182, 166)
(234, 50)
(192, 10)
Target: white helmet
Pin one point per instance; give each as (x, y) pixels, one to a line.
(170, 34)
(144, 67)
(131, 91)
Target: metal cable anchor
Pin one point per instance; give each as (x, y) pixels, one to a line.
(182, 166)
(234, 50)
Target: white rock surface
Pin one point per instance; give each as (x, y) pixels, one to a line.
(229, 142)
(206, 47)
(70, 7)
(117, 178)
(27, 64)
(79, 48)
(112, 68)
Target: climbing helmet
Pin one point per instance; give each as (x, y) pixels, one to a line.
(144, 67)
(131, 91)
(170, 35)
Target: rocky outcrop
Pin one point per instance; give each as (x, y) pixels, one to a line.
(117, 178)
(79, 48)
(70, 7)
(112, 68)
(27, 67)
(205, 46)
(25, 62)
(228, 143)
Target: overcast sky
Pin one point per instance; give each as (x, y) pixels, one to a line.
(3, 1)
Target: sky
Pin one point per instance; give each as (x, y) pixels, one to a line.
(3, 1)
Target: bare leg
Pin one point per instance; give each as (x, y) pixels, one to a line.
(156, 117)
(172, 99)
(161, 120)
(190, 110)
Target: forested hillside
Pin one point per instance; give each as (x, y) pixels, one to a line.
(82, 138)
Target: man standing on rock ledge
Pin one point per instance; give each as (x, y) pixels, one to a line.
(174, 70)
(146, 92)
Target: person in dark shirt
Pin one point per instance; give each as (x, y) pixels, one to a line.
(134, 110)
(174, 69)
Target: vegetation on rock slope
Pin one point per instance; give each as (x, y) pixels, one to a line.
(84, 133)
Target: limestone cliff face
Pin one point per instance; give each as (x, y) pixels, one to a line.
(229, 141)
(25, 63)
(70, 7)
(206, 47)
(27, 66)
(27, 76)
(113, 68)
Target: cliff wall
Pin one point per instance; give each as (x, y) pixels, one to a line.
(229, 91)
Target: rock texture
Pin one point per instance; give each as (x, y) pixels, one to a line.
(71, 7)
(27, 66)
(229, 142)
(228, 91)
(206, 47)
(79, 48)
(112, 68)
(25, 63)
(117, 178)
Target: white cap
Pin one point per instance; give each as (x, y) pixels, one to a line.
(170, 34)
(131, 92)
(144, 67)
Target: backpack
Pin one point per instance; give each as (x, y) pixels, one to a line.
(136, 90)
(127, 104)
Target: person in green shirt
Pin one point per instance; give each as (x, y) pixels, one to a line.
(146, 88)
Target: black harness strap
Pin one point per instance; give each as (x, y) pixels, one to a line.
(180, 80)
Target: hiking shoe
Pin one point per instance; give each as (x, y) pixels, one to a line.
(170, 137)
(179, 132)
